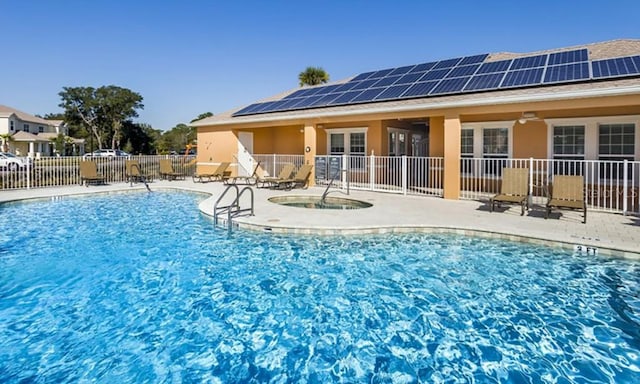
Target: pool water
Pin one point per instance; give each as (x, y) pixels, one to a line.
(140, 288)
(316, 202)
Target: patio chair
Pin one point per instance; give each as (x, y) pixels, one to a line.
(301, 179)
(285, 174)
(133, 173)
(89, 173)
(514, 189)
(218, 174)
(167, 172)
(567, 192)
(248, 180)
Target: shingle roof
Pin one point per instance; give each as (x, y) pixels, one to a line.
(6, 111)
(597, 51)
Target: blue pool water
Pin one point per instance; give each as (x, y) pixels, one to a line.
(139, 288)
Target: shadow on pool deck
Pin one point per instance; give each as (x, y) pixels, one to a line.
(613, 234)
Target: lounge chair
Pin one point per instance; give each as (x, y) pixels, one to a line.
(285, 174)
(89, 173)
(514, 188)
(167, 172)
(248, 180)
(301, 179)
(567, 192)
(133, 172)
(220, 173)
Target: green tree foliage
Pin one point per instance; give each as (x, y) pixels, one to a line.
(202, 116)
(101, 111)
(313, 76)
(139, 138)
(177, 138)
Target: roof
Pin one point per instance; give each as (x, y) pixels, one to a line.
(26, 136)
(597, 51)
(8, 111)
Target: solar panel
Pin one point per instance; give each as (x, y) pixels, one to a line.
(447, 63)
(410, 78)
(380, 73)
(367, 95)
(326, 99)
(346, 86)
(454, 76)
(567, 72)
(423, 67)
(494, 66)
(465, 70)
(450, 85)
(300, 93)
(522, 78)
(420, 89)
(435, 74)
(567, 57)
(488, 81)
(473, 59)
(393, 92)
(344, 98)
(386, 81)
(529, 62)
(621, 66)
(402, 70)
(365, 84)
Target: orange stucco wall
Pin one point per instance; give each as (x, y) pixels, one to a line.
(530, 140)
(436, 136)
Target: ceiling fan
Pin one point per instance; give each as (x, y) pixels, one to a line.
(527, 116)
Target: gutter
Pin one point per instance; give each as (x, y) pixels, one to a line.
(480, 101)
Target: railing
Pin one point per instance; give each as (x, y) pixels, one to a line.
(611, 186)
(232, 209)
(63, 171)
(272, 164)
(401, 174)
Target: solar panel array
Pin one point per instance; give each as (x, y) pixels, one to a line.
(454, 76)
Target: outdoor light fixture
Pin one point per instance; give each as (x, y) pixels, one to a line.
(526, 116)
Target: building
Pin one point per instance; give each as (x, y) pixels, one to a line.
(574, 104)
(27, 134)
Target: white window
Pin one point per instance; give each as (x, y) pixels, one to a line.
(25, 127)
(40, 129)
(568, 142)
(11, 127)
(349, 141)
(616, 142)
(490, 140)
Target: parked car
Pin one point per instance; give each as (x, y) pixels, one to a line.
(106, 153)
(13, 162)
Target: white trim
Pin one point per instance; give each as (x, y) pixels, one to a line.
(406, 133)
(478, 135)
(429, 104)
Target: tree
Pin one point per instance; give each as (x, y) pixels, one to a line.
(101, 111)
(6, 138)
(313, 76)
(202, 116)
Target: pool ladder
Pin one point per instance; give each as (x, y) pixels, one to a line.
(335, 176)
(233, 209)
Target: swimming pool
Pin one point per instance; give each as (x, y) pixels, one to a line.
(139, 288)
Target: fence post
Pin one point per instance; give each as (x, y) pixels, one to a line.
(29, 172)
(404, 175)
(625, 184)
(372, 172)
(345, 169)
(273, 165)
(530, 198)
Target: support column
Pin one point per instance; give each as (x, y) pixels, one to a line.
(452, 129)
(310, 150)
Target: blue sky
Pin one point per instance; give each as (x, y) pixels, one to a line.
(186, 57)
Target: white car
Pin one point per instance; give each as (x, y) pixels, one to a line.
(13, 162)
(106, 153)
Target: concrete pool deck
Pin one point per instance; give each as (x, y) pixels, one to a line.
(612, 234)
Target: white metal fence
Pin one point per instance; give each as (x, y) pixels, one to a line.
(272, 164)
(61, 171)
(394, 174)
(611, 186)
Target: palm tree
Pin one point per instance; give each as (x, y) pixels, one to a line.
(5, 138)
(313, 76)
